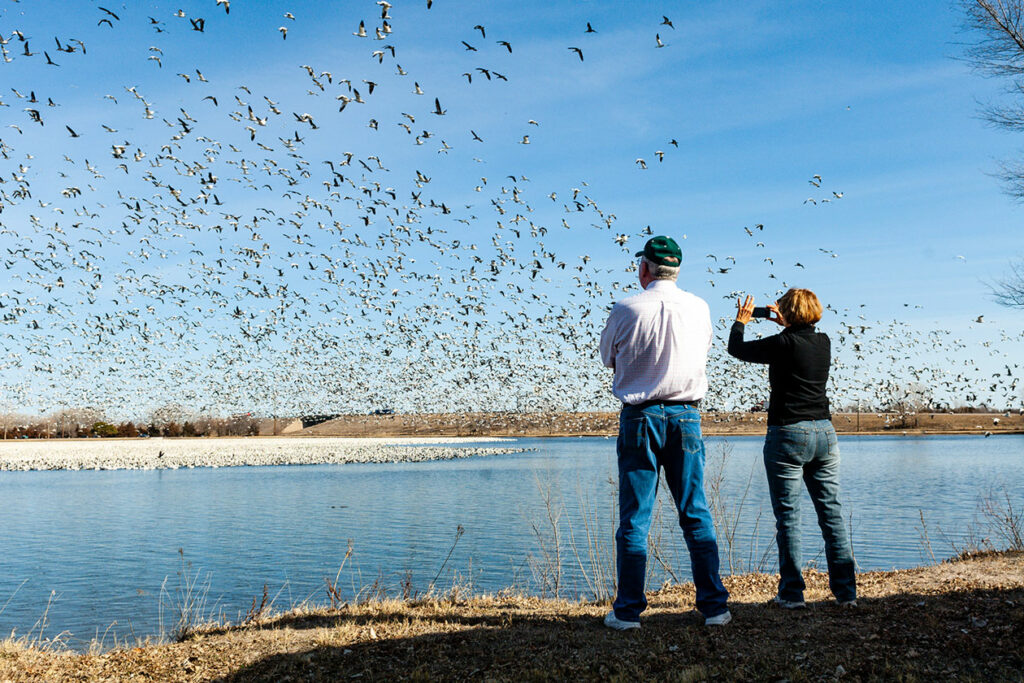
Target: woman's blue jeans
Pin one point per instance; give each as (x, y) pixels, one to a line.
(651, 438)
(808, 451)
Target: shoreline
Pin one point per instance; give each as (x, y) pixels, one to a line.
(309, 447)
(606, 424)
(190, 453)
(420, 428)
(958, 619)
(495, 437)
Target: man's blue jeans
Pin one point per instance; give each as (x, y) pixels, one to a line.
(808, 451)
(652, 438)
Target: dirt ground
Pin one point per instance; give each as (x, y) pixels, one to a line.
(960, 620)
(606, 424)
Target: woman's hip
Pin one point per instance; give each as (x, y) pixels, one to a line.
(799, 443)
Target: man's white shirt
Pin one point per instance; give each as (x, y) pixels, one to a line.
(657, 341)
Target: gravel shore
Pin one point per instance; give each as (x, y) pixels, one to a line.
(151, 454)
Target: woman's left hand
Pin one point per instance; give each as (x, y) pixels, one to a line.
(744, 310)
(775, 315)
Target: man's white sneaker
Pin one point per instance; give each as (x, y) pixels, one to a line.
(849, 604)
(789, 604)
(719, 619)
(612, 621)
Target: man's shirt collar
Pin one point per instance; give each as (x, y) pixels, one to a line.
(661, 284)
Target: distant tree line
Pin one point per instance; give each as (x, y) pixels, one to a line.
(912, 407)
(86, 424)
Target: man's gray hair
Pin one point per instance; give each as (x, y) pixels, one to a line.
(660, 272)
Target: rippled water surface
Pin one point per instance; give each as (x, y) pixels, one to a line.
(105, 541)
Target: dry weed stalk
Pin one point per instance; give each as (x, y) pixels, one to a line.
(926, 541)
(654, 542)
(38, 641)
(459, 531)
(599, 569)
(1005, 519)
(725, 515)
(1000, 517)
(190, 601)
(333, 592)
(254, 614)
(98, 644)
(408, 593)
(548, 570)
(375, 592)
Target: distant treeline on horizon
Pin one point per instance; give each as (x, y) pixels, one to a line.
(89, 423)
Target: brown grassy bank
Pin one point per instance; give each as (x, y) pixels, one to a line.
(961, 620)
(606, 424)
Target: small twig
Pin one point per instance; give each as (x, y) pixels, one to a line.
(459, 530)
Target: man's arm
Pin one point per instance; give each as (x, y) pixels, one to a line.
(709, 328)
(608, 340)
(754, 351)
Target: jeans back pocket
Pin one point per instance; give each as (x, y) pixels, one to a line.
(633, 433)
(786, 445)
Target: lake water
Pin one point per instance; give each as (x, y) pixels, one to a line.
(102, 543)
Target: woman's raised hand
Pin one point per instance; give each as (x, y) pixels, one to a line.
(776, 316)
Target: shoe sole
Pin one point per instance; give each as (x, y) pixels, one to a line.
(783, 604)
(620, 625)
(728, 619)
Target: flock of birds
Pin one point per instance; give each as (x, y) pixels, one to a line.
(202, 245)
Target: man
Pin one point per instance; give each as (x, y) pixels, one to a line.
(657, 342)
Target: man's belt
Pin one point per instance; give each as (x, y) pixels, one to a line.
(658, 402)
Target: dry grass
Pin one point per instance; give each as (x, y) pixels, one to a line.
(962, 619)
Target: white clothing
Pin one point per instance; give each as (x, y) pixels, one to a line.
(657, 342)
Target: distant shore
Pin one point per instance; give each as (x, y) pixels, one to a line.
(361, 438)
(606, 424)
(159, 453)
(419, 438)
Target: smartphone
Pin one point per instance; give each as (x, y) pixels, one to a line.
(761, 312)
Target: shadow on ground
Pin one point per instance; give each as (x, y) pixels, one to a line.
(972, 634)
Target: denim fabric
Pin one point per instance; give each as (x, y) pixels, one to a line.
(808, 451)
(652, 438)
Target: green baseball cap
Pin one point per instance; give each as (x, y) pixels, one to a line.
(662, 250)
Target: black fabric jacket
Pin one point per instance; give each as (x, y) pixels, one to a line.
(798, 361)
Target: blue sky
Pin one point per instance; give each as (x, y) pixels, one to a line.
(760, 97)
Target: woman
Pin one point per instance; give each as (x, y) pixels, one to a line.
(801, 442)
